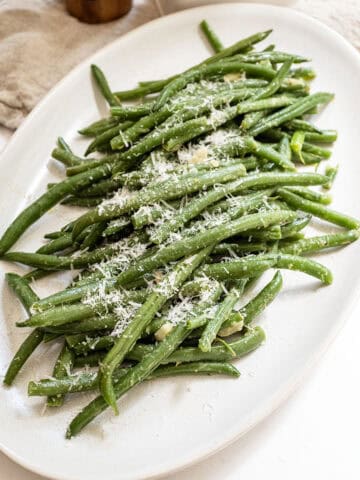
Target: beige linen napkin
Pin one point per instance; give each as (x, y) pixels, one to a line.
(40, 43)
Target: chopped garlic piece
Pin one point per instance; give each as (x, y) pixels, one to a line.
(200, 156)
(163, 331)
(232, 77)
(158, 276)
(234, 328)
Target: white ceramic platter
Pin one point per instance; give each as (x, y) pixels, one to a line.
(168, 424)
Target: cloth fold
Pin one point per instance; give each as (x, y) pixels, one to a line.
(40, 42)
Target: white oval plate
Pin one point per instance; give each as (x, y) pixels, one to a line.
(168, 424)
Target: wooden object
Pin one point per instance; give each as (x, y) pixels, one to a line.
(98, 11)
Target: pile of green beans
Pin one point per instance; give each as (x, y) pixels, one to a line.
(193, 194)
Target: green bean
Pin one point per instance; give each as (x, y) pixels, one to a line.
(235, 269)
(239, 205)
(295, 226)
(23, 353)
(141, 127)
(299, 124)
(253, 308)
(192, 368)
(297, 142)
(295, 85)
(89, 360)
(164, 291)
(36, 274)
(53, 235)
(62, 144)
(292, 111)
(66, 157)
(94, 235)
(142, 91)
(239, 248)
(103, 85)
(269, 57)
(211, 37)
(198, 89)
(88, 164)
(325, 136)
(55, 315)
(319, 197)
(316, 150)
(76, 293)
(269, 48)
(106, 136)
(276, 232)
(89, 381)
(318, 210)
(146, 216)
(331, 173)
(86, 202)
(34, 211)
(272, 233)
(132, 113)
(305, 73)
(33, 340)
(315, 244)
(99, 126)
(103, 187)
(90, 324)
(49, 337)
(116, 226)
(251, 119)
(276, 82)
(57, 245)
(285, 149)
(81, 343)
(62, 369)
(310, 158)
(269, 154)
(219, 353)
(58, 316)
(57, 262)
(80, 382)
(22, 289)
(220, 316)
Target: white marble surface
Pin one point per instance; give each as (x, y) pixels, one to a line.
(314, 434)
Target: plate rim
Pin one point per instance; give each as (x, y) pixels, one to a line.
(296, 380)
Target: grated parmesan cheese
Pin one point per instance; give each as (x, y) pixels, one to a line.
(119, 199)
